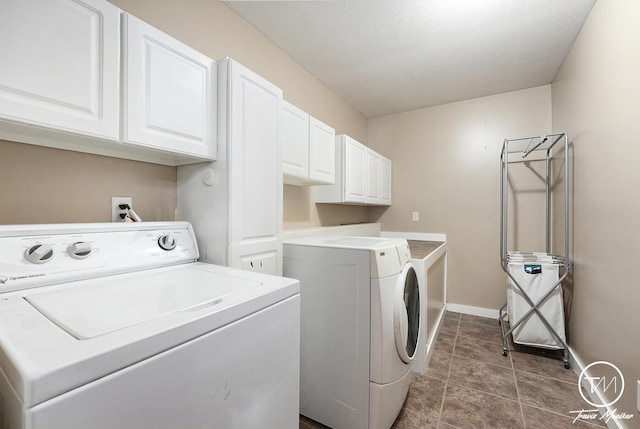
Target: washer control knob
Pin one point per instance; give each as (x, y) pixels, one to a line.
(39, 253)
(79, 250)
(167, 241)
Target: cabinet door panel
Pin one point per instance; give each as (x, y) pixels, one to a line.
(321, 152)
(354, 171)
(170, 93)
(60, 65)
(295, 142)
(373, 183)
(385, 173)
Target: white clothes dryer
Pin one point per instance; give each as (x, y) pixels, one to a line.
(360, 324)
(108, 326)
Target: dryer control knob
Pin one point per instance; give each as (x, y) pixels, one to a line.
(79, 250)
(39, 253)
(167, 241)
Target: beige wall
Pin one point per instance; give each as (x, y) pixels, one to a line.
(44, 185)
(214, 29)
(300, 211)
(446, 167)
(595, 98)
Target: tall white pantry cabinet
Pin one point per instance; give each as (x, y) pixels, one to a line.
(235, 203)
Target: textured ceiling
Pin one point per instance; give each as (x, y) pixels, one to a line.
(391, 56)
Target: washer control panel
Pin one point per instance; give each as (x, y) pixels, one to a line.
(404, 254)
(39, 255)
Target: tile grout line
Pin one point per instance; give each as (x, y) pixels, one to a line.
(485, 393)
(446, 383)
(485, 362)
(515, 380)
(478, 324)
(547, 377)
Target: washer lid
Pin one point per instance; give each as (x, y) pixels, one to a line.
(111, 304)
(42, 360)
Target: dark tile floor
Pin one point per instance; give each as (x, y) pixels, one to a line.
(469, 384)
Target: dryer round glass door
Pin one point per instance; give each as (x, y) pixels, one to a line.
(406, 314)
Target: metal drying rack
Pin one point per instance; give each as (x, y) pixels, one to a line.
(526, 146)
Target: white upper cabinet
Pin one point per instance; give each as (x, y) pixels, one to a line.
(73, 76)
(60, 65)
(170, 89)
(363, 176)
(309, 148)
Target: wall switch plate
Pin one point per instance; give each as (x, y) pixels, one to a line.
(638, 396)
(116, 211)
(416, 216)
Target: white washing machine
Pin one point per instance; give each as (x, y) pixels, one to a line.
(360, 323)
(117, 326)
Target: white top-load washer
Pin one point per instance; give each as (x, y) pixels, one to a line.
(117, 326)
(360, 322)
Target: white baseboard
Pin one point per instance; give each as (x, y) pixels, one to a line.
(473, 311)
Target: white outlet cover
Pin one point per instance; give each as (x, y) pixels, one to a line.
(638, 396)
(115, 207)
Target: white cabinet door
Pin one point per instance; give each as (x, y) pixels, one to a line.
(353, 170)
(308, 148)
(385, 175)
(372, 184)
(322, 153)
(170, 93)
(255, 169)
(60, 65)
(295, 143)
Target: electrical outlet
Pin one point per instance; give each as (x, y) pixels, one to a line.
(416, 216)
(116, 211)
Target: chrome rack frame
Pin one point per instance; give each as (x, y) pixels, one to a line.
(534, 143)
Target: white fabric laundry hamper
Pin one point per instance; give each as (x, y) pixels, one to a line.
(536, 279)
